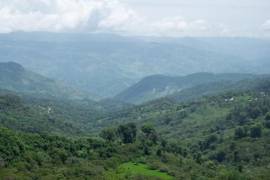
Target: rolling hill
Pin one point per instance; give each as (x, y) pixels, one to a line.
(105, 64)
(15, 77)
(157, 86)
(221, 136)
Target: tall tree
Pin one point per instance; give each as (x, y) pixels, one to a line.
(127, 133)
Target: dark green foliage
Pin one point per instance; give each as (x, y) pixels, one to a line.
(267, 120)
(256, 131)
(10, 146)
(220, 156)
(267, 117)
(267, 124)
(150, 133)
(109, 134)
(208, 142)
(240, 133)
(127, 132)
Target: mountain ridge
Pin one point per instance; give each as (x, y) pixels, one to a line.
(105, 65)
(15, 77)
(157, 86)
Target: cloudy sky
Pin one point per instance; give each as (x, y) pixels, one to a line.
(139, 17)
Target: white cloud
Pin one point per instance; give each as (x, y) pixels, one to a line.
(119, 18)
(93, 15)
(47, 15)
(266, 25)
(176, 24)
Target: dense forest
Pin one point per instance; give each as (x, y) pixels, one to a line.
(219, 136)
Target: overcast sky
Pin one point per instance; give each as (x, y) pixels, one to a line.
(139, 17)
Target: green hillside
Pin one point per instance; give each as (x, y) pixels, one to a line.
(157, 86)
(62, 117)
(221, 136)
(15, 77)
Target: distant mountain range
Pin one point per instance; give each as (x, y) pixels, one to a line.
(105, 64)
(157, 86)
(14, 77)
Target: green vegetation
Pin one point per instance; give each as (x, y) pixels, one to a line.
(14, 77)
(41, 117)
(181, 87)
(226, 136)
(136, 170)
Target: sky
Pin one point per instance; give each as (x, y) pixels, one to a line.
(249, 18)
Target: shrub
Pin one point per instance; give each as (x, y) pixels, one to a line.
(220, 156)
(240, 133)
(256, 131)
(127, 133)
(267, 117)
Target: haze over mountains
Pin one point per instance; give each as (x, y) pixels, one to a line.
(105, 65)
(157, 86)
(14, 77)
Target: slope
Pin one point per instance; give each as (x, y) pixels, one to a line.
(106, 64)
(154, 87)
(15, 77)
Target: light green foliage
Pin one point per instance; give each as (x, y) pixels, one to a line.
(132, 170)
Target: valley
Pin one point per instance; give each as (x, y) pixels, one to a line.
(216, 127)
(104, 65)
(134, 90)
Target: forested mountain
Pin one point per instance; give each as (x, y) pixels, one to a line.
(105, 64)
(64, 117)
(15, 77)
(157, 86)
(134, 90)
(214, 88)
(225, 136)
(194, 95)
(45, 116)
(210, 126)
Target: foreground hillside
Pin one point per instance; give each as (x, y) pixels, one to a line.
(225, 136)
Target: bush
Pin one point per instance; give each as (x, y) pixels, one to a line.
(127, 132)
(220, 156)
(267, 117)
(240, 133)
(108, 134)
(256, 132)
(267, 124)
(267, 120)
(2, 162)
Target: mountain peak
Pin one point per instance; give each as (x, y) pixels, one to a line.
(11, 66)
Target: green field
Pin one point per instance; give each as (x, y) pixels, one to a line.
(132, 170)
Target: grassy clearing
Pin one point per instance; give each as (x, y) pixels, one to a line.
(129, 170)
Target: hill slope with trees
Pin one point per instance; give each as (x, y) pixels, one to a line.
(221, 136)
(157, 86)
